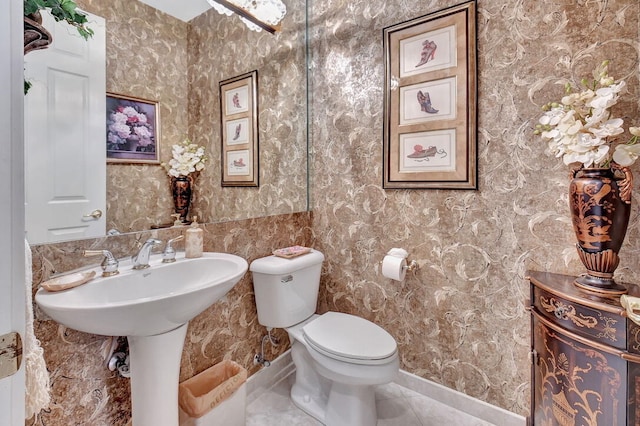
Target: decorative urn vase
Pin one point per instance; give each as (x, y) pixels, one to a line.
(600, 203)
(181, 191)
(36, 36)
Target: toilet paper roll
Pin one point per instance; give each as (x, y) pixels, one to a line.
(394, 267)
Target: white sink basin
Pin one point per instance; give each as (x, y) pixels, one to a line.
(152, 307)
(145, 302)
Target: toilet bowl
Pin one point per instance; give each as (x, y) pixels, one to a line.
(346, 383)
(339, 358)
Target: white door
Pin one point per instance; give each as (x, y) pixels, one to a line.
(65, 142)
(12, 289)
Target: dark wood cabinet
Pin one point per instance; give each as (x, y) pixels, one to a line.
(585, 355)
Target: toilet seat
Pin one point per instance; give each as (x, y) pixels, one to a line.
(350, 339)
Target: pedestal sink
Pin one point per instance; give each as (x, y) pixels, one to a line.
(152, 307)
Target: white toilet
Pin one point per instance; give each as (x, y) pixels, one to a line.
(339, 358)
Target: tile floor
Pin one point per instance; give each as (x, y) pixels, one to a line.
(397, 406)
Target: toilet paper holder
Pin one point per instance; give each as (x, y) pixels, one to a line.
(402, 253)
(410, 266)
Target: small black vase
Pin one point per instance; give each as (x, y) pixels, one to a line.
(181, 190)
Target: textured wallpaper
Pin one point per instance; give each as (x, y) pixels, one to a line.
(146, 58)
(154, 56)
(460, 319)
(220, 49)
(84, 391)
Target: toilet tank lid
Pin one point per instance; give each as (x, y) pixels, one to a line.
(274, 265)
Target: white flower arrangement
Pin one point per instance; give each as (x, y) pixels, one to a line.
(579, 127)
(187, 158)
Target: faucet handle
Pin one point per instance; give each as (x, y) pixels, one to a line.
(169, 253)
(152, 242)
(109, 263)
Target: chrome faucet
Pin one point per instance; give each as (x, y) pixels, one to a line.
(141, 260)
(109, 263)
(169, 253)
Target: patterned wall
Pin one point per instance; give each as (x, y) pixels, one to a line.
(146, 58)
(154, 56)
(84, 391)
(460, 320)
(220, 49)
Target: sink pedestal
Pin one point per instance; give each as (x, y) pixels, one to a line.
(155, 376)
(143, 305)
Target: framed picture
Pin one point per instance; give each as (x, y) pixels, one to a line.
(239, 117)
(133, 130)
(430, 101)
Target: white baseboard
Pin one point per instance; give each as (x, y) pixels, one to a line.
(460, 401)
(268, 377)
(283, 366)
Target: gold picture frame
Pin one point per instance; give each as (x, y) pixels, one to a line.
(239, 120)
(132, 130)
(430, 101)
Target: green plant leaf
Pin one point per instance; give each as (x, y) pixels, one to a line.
(68, 6)
(32, 6)
(61, 10)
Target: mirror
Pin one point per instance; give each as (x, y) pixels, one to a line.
(151, 55)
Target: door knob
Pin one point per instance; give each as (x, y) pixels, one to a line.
(96, 214)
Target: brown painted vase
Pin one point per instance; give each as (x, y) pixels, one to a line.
(181, 190)
(36, 36)
(600, 203)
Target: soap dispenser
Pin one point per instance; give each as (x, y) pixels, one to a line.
(176, 219)
(193, 240)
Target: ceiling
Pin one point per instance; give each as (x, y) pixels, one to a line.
(184, 10)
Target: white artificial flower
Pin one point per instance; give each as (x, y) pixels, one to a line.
(608, 128)
(626, 155)
(578, 98)
(568, 124)
(606, 97)
(597, 116)
(552, 117)
(580, 128)
(607, 81)
(187, 158)
(587, 157)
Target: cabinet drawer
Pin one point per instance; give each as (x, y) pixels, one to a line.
(576, 384)
(608, 328)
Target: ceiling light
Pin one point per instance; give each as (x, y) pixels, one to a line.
(256, 14)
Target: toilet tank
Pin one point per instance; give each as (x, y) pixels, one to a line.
(286, 290)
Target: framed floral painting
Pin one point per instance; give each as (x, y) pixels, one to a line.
(430, 122)
(133, 130)
(239, 118)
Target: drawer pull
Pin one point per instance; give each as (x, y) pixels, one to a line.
(561, 312)
(631, 304)
(567, 312)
